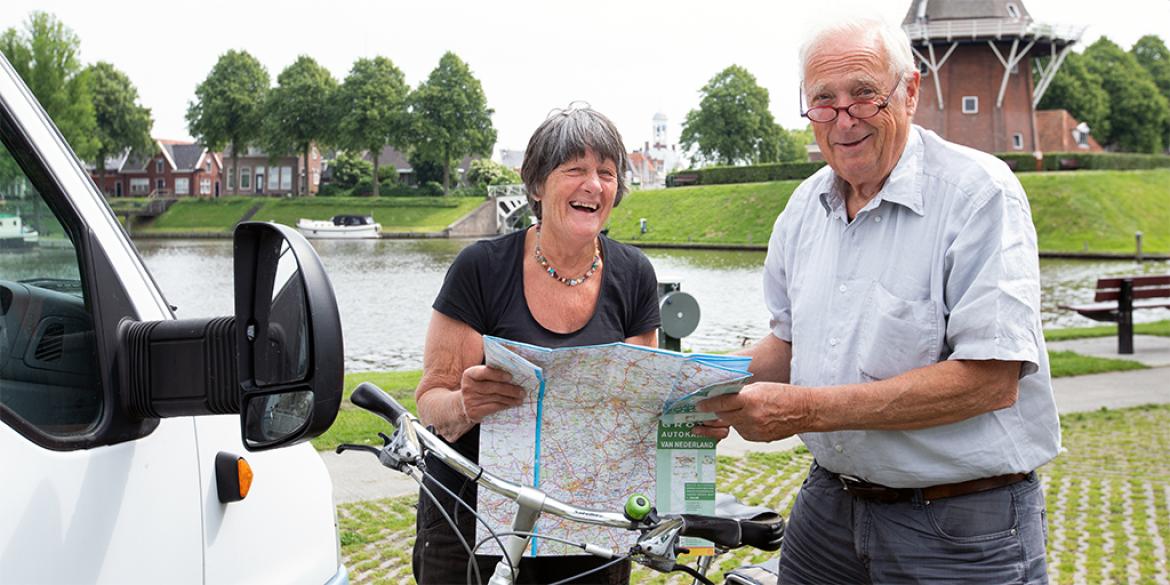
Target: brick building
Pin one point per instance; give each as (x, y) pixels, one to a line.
(263, 174)
(175, 168)
(976, 59)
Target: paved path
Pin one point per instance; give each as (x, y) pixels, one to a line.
(358, 476)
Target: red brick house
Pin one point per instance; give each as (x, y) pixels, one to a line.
(976, 59)
(175, 168)
(1060, 132)
(261, 174)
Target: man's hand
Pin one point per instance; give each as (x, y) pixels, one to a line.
(486, 390)
(761, 412)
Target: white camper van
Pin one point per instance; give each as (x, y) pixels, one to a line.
(137, 448)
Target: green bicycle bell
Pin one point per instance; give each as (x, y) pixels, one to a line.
(638, 507)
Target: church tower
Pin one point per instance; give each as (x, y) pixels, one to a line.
(976, 59)
(660, 131)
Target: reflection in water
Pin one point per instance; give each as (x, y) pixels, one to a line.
(385, 289)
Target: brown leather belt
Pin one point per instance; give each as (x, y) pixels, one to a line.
(872, 491)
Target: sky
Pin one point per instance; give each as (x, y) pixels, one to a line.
(628, 59)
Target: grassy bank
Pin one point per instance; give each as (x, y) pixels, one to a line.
(1093, 211)
(396, 214)
(1107, 499)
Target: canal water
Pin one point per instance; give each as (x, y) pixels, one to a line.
(385, 289)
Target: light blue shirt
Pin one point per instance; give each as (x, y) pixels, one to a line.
(941, 264)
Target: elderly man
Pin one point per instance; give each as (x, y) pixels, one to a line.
(906, 346)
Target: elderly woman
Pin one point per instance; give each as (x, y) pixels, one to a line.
(557, 284)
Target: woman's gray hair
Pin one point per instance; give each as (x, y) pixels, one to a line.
(889, 37)
(564, 136)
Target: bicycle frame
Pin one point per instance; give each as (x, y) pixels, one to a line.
(659, 536)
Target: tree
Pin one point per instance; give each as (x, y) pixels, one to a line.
(1151, 53)
(229, 104)
(733, 123)
(783, 145)
(296, 111)
(452, 119)
(372, 109)
(1137, 111)
(122, 123)
(45, 55)
(484, 172)
(349, 170)
(1079, 91)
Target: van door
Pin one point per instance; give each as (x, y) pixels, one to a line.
(76, 508)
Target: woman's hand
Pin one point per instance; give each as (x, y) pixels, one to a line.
(486, 390)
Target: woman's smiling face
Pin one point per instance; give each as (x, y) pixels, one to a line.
(578, 196)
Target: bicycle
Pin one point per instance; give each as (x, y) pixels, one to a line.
(657, 546)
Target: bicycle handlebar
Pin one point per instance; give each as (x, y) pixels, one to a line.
(727, 533)
(731, 533)
(373, 399)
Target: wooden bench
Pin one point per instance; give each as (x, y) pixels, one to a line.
(1118, 297)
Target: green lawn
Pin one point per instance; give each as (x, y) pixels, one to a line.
(1067, 363)
(1100, 210)
(715, 214)
(396, 214)
(1107, 498)
(1094, 211)
(201, 215)
(1161, 328)
(354, 425)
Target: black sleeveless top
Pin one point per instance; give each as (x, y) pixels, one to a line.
(484, 288)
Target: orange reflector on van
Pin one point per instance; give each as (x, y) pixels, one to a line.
(233, 477)
(245, 474)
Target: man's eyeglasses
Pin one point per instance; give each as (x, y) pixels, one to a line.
(856, 110)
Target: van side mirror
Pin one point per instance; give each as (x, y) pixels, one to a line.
(278, 363)
(288, 338)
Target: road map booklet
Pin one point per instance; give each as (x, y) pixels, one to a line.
(600, 423)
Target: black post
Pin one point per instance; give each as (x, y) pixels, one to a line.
(665, 341)
(1125, 317)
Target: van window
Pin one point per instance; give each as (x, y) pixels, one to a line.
(47, 347)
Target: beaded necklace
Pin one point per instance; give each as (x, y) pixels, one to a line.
(540, 259)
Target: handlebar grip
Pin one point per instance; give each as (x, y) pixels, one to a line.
(375, 400)
(765, 534)
(723, 532)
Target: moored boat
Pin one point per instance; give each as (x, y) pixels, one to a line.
(14, 234)
(341, 227)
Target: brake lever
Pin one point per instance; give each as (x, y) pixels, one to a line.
(342, 448)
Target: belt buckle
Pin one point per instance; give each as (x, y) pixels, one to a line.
(860, 488)
(847, 479)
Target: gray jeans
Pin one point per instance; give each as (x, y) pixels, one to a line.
(997, 536)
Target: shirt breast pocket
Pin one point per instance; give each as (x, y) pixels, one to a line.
(897, 335)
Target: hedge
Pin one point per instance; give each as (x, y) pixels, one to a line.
(785, 171)
(1068, 161)
(1019, 162)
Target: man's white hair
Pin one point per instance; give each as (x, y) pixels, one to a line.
(891, 38)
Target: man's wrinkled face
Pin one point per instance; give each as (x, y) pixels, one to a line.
(846, 70)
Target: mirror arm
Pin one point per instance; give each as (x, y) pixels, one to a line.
(184, 367)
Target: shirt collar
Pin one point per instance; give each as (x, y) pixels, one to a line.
(901, 188)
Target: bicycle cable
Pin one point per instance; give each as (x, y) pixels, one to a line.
(447, 517)
(592, 571)
(470, 551)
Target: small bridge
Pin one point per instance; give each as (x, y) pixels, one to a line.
(512, 212)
